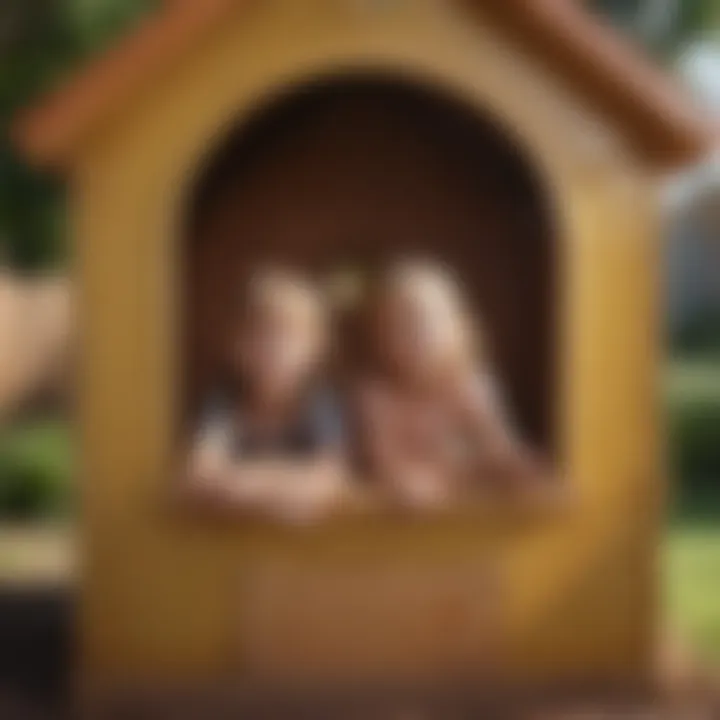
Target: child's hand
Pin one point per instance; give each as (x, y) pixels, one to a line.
(307, 499)
(423, 488)
(205, 476)
(519, 472)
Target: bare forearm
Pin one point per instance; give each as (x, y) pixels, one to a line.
(292, 489)
(265, 477)
(414, 483)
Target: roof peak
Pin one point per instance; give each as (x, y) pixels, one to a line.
(599, 66)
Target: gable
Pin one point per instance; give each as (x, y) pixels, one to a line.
(597, 65)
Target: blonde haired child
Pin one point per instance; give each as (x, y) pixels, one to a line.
(433, 426)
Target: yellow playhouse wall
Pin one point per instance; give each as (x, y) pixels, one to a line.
(162, 595)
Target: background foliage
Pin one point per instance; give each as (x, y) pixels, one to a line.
(36, 470)
(664, 26)
(41, 41)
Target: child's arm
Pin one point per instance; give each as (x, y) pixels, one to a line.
(294, 489)
(408, 482)
(503, 459)
(209, 461)
(215, 478)
(290, 484)
(296, 485)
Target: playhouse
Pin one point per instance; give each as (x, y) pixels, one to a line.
(520, 141)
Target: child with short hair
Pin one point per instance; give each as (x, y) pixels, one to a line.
(272, 440)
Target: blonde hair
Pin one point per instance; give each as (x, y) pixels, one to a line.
(430, 280)
(291, 292)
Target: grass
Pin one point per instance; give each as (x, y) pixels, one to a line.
(35, 470)
(693, 381)
(692, 587)
(46, 441)
(692, 553)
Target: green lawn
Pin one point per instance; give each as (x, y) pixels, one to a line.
(36, 470)
(692, 563)
(690, 381)
(692, 587)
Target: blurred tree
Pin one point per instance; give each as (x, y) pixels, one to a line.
(664, 26)
(40, 42)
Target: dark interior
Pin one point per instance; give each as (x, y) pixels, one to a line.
(352, 171)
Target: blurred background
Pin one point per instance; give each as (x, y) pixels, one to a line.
(41, 41)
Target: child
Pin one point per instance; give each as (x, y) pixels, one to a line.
(432, 423)
(272, 440)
